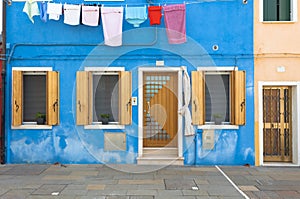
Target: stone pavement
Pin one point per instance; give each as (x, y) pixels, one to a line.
(147, 182)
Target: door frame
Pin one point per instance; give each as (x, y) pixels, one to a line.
(141, 71)
(295, 120)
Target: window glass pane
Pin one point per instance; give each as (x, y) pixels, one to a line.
(106, 97)
(277, 10)
(270, 10)
(217, 97)
(34, 96)
(284, 10)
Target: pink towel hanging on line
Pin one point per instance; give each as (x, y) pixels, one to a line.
(175, 23)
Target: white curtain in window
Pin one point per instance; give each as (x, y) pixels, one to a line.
(185, 111)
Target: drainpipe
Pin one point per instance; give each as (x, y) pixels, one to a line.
(2, 82)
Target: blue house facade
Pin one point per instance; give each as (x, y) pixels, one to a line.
(160, 87)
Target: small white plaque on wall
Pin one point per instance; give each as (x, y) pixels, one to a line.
(114, 141)
(208, 139)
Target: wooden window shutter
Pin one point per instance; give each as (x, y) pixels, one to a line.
(125, 98)
(198, 98)
(52, 107)
(83, 98)
(17, 98)
(238, 98)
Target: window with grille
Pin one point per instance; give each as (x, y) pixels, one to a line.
(219, 95)
(33, 93)
(104, 92)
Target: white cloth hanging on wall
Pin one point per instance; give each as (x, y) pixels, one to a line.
(112, 22)
(54, 10)
(185, 111)
(90, 15)
(31, 9)
(72, 14)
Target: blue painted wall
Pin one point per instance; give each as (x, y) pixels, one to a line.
(67, 49)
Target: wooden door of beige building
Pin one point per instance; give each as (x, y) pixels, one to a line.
(277, 127)
(160, 109)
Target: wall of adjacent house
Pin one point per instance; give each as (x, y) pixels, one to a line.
(277, 56)
(69, 49)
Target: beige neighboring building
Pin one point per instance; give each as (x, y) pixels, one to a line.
(277, 82)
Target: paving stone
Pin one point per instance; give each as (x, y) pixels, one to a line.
(84, 173)
(26, 170)
(90, 197)
(107, 192)
(278, 188)
(248, 188)
(143, 176)
(251, 195)
(142, 192)
(175, 197)
(169, 193)
(205, 169)
(139, 182)
(17, 193)
(121, 187)
(48, 189)
(62, 177)
(194, 193)
(95, 187)
(101, 181)
(220, 190)
(73, 192)
(76, 186)
(141, 197)
(50, 197)
(207, 197)
(151, 186)
(288, 194)
(179, 184)
(117, 197)
(200, 182)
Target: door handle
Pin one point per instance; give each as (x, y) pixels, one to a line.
(79, 105)
(128, 104)
(195, 105)
(55, 104)
(148, 104)
(17, 106)
(243, 105)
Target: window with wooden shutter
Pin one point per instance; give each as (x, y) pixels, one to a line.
(125, 98)
(198, 98)
(103, 93)
(219, 93)
(17, 98)
(52, 116)
(35, 97)
(83, 98)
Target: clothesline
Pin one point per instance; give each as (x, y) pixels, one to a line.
(112, 18)
(149, 3)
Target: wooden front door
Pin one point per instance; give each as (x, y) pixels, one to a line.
(160, 109)
(277, 131)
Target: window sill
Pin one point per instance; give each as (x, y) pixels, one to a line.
(215, 126)
(99, 125)
(279, 22)
(32, 126)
